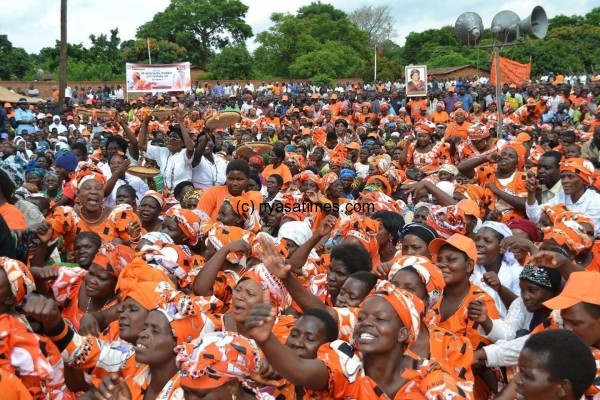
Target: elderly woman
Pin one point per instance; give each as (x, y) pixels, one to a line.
(91, 215)
(425, 154)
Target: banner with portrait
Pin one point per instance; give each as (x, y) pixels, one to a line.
(144, 78)
(416, 80)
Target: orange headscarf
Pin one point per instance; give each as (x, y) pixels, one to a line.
(19, 278)
(171, 259)
(303, 176)
(244, 208)
(365, 230)
(379, 201)
(279, 295)
(189, 223)
(430, 274)
(570, 234)
(113, 258)
(328, 180)
(297, 159)
(581, 167)
(447, 220)
(521, 153)
(185, 315)
(387, 188)
(217, 358)
(140, 282)
(554, 211)
(219, 235)
(156, 196)
(87, 172)
(408, 307)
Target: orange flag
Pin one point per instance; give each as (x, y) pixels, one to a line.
(510, 71)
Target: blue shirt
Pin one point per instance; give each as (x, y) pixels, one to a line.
(218, 90)
(467, 101)
(24, 115)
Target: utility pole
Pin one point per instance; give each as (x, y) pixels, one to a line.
(62, 66)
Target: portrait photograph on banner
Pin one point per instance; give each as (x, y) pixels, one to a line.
(161, 77)
(416, 80)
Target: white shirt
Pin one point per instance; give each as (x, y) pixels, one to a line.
(207, 174)
(361, 170)
(175, 168)
(60, 128)
(506, 347)
(588, 204)
(509, 278)
(138, 184)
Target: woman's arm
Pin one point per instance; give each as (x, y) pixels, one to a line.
(187, 139)
(310, 374)
(142, 138)
(203, 284)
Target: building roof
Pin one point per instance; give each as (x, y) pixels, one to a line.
(448, 70)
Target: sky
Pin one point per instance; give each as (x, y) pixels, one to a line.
(34, 24)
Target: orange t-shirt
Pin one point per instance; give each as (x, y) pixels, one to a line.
(213, 197)
(13, 216)
(454, 129)
(282, 171)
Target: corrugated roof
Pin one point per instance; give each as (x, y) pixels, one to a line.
(10, 97)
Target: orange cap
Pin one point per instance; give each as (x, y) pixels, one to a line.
(315, 96)
(284, 97)
(89, 102)
(173, 99)
(469, 207)
(69, 118)
(333, 96)
(160, 97)
(353, 146)
(458, 241)
(523, 137)
(7, 105)
(581, 286)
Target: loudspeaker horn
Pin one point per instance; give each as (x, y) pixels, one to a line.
(468, 27)
(536, 24)
(505, 26)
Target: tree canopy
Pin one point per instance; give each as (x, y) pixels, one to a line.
(318, 42)
(199, 26)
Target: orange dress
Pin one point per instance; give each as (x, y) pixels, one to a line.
(213, 197)
(13, 216)
(282, 171)
(458, 323)
(66, 289)
(68, 224)
(429, 162)
(516, 187)
(453, 129)
(347, 379)
(41, 372)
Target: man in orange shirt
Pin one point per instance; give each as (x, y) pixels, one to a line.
(276, 165)
(334, 106)
(459, 127)
(238, 173)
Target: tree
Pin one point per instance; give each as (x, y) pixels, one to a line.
(563, 20)
(233, 62)
(16, 63)
(199, 26)
(329, 59)
(293, 36)
(106, 50)
(377, 21)
(163, 52)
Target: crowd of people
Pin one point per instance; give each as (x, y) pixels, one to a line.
(330, 244)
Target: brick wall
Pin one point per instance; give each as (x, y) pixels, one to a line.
(45, 87)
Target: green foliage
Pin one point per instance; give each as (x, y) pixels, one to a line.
(16, 63)
(199, 26)
(233, 62)
(323, 79)
(162, 52)
(319, 39)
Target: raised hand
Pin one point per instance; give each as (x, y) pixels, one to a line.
(477, 311)
(48, 273)
(491, 279)
(273, 260)
(43, 309)
(326, 226)
(112, 387)
(260, 321)
(45, 232)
